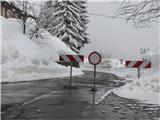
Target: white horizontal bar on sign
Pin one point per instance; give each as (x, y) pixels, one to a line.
(65, 58)
(144, 64)
(77, 58)
(131, 64)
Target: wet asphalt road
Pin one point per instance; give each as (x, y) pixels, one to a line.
(47, 100)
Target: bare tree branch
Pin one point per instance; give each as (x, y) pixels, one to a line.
(141, 13)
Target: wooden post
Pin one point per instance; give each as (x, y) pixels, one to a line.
(138, 72)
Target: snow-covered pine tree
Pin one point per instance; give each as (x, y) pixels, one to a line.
(84, 18)
(69, 23)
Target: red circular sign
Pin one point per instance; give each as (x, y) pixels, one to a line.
(94, 58)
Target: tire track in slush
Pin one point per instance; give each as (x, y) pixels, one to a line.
(28, 102)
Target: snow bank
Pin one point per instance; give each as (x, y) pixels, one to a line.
(145, 89)
(111, 63)
(154, 58)
(106, 63)
(24, 59)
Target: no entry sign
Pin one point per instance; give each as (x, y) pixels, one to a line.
(94, 58)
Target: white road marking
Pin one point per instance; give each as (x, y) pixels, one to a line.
(38, 98)
(30, 101)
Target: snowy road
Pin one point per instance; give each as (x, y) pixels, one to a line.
(47, 100)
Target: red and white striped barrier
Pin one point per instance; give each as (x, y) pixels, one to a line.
(71, 58)
(138, 64)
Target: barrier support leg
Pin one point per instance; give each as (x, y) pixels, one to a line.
(70, 83)
(138, 73)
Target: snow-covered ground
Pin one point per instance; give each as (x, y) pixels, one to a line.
(145, 89)
(24, 59)
(107, 63)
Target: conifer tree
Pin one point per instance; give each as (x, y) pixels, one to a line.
(69, 23)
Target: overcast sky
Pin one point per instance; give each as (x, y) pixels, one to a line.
(115, 36)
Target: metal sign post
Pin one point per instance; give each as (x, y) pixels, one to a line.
(70, 83)
(138, 72)
(94, 86)
(94, 59)
(72, 61)
(93, 102)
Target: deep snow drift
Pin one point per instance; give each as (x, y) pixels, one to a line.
(105, 64)
(24, 59)
(146, 89)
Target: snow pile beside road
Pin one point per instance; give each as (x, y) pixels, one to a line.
(145, 89)
(24, 59)
(111, 63)
(154, 58)
(104, 64)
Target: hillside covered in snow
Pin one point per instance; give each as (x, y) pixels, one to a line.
(24, 59)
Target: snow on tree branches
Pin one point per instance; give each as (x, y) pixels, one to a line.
(141, 13)
(68, 21)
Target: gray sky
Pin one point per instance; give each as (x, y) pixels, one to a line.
(114, 36)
